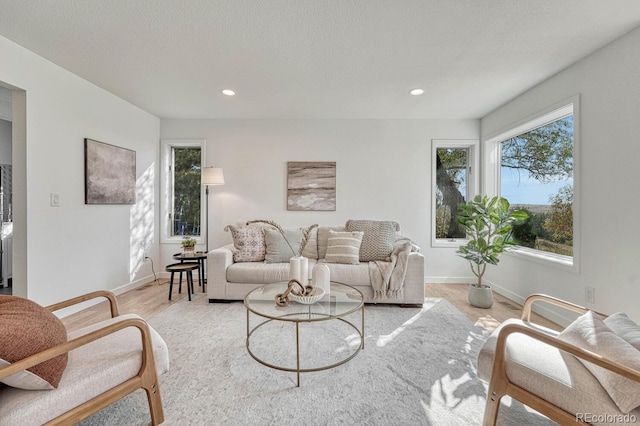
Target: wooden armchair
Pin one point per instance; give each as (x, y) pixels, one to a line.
(557, 373)
(89, 382)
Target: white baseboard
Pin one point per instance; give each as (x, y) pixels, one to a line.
(555, 314)
(134, 284)
(447, 280)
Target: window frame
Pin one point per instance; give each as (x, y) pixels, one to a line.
(492, 176)
(166, 174)
(473, 181)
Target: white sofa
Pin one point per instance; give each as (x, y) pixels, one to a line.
(229, 280)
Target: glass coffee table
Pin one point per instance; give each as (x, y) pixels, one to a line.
(326, 332)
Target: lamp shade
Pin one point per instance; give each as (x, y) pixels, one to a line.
(212, 176)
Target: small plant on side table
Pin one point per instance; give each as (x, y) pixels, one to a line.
(188, 244)
(489, 225)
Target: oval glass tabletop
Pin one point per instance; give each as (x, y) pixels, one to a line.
(340, 301)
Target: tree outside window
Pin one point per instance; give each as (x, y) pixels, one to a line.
(537, 176)
(186, 167)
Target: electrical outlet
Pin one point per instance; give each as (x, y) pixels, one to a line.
(590, 294)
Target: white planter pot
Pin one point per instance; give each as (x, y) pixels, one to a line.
(480, 297)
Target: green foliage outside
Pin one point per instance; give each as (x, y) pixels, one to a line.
(186, 190)
(544, 154)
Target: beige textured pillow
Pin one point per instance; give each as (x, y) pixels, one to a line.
(590, 332)
(248, 243)
(624, 327)
(378, 239)
(28, 328)
(343, 247)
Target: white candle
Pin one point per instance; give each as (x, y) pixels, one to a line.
(294, 268)
(304, 271)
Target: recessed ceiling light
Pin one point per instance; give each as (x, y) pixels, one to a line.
(228, 92)
(416, 92)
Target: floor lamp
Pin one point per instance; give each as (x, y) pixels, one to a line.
(210, 176)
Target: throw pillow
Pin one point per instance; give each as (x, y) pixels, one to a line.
(624, 327)
(344, 247)
(378, 239)
(282, 246)
(591, 333)
(28, 328)
(310, 249)
(248, 243)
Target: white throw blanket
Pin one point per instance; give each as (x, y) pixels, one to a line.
(387, 277)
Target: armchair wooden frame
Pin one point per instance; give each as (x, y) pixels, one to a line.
(500, 385)
(145, 379)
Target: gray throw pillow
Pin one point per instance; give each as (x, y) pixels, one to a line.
(378, 239)
(281, 248)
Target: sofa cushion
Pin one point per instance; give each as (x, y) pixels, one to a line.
(259, 272)
(281, 247)
(353, 275)
(28, 328)
(624, 327)
(378, 239)
(248, 243)
(547, 372)
(591, 333)
(343, 247)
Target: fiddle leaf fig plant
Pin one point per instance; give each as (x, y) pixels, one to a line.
(489, 225)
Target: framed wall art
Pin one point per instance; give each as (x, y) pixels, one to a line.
(311, 185)
(109, 174)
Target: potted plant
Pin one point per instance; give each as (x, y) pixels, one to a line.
(188, 244)
(489, 225)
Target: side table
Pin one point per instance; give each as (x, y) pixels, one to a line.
(200, 257)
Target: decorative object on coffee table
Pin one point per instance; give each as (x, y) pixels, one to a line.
(294, 288)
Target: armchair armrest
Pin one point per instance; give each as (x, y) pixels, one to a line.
(145, 378)
(113, 302)
(62, 348)
(528, 305)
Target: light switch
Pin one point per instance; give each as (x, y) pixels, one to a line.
(55, 200)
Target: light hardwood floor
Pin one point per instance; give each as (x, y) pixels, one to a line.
(152, 298)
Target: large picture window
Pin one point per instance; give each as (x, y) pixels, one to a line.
(536, 173)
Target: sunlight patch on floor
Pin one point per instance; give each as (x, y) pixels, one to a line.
(487, 322)
(429, 303)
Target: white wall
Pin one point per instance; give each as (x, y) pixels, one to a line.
(609, 85)
(75, 248)
(383, 172)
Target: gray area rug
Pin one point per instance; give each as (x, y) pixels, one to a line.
(418, 367)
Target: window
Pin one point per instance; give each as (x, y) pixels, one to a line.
(183, 191)
(454, 170)
(536, 171)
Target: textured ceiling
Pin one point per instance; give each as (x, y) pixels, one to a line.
(316, 58)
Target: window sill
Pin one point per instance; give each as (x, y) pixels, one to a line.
(566, 263)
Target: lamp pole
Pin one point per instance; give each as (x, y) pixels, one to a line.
(210, 176)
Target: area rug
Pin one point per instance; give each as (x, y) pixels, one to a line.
(418, 367)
